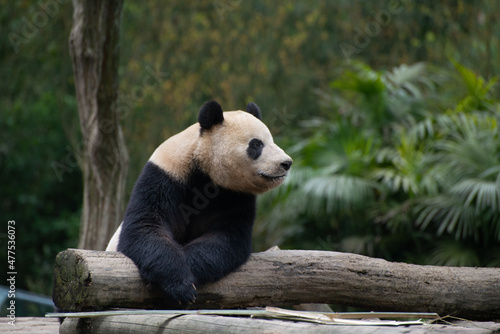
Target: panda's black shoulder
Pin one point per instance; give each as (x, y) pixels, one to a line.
(154, 177)
(152, 173)
(154, 190)
(220, 199)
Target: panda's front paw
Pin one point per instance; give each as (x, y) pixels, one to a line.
(181, 294)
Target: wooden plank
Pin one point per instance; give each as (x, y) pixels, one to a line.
(92, 280)
(31, 325)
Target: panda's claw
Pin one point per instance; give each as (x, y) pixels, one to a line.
(181, 294)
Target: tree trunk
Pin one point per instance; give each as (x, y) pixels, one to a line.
(89, 280)
(94, 49)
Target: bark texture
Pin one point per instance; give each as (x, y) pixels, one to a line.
(94, 49)
(91, 280)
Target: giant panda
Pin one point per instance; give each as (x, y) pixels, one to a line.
(190, 215)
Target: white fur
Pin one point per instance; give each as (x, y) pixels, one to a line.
(113, 243)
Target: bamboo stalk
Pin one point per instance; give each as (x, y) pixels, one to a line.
(263, 312)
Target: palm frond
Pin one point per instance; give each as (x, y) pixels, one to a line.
(405, 78)
(338, 192)
(484, 195)
(449, 215)
(454, 254)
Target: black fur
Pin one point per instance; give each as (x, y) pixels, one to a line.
(253, 109)
(254, 149)
(210, 114)
(181, 235)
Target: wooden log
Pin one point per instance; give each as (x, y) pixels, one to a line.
(94, 280)
(185, 324)
(142, 324)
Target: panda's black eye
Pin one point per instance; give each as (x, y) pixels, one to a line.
(254, 149)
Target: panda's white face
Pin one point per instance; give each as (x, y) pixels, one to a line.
(240, 154)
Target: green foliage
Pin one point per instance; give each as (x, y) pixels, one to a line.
(420, 184)
(478, 90)
(46, 214)
(468, 151)
(36, 99)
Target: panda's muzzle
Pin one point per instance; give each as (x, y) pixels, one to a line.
(285, 166)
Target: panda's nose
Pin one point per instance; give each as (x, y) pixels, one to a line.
(286, 164)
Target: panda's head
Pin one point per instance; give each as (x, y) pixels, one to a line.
(237, 150)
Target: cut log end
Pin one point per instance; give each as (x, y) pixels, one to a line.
(71, 277)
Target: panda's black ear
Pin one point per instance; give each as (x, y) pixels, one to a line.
(210, 114)
(253, 109)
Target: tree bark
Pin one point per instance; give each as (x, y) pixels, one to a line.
(94, 49)
(89, 280)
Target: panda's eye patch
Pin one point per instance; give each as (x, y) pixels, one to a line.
(254, 149)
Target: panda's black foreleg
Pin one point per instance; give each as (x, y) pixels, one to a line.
(161, 262)
(217, 253)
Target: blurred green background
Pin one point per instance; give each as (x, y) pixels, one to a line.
(390, 110)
